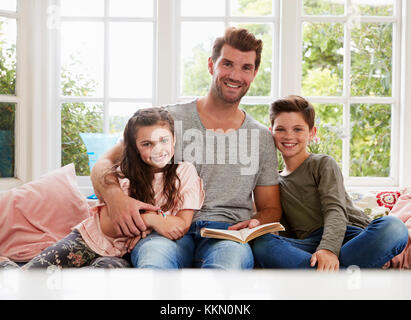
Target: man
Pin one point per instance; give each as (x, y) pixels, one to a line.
(233, 154)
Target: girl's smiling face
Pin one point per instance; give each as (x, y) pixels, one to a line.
(155, 145)
(292, 134)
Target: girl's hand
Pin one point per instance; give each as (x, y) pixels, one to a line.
(252, 223)
(131, 242)
(326, 260)
(172, 230)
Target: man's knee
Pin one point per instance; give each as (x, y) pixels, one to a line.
(226, 254)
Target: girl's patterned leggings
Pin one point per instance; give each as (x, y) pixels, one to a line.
(70, 252)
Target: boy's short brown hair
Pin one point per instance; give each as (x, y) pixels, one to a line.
(293, 103)
(240, 39)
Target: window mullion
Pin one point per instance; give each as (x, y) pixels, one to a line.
(405, 97)
(168, 40)
(106, 106)
(290, 48)
(347, 98)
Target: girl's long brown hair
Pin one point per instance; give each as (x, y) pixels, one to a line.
(137, 171)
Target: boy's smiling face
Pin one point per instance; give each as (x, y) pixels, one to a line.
(292, 134)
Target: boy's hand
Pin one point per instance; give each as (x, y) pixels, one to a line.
(325, 260)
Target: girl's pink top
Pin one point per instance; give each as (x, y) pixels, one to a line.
(191, 189)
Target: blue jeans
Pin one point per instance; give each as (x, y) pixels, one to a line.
(158, 252)
(372, 247)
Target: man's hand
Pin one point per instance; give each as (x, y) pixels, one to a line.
(252, 223)
(124, 213)
(122, 210)
(326, 260)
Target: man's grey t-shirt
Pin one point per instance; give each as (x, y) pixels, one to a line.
(231, 164)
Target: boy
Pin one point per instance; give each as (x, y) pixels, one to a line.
(330, 231)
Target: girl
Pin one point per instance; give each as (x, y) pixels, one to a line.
(330, 232)
(148, 173)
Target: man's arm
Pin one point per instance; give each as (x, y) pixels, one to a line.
(123, 210)
(268, 205)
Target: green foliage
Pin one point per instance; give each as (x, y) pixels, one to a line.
(254, 7)
(371, 55)
(259, 112)
(196, 78)
(322, 65)
(371, 72)
(7, 66)
(323, 7)
(7, 110)
(370, 140)
(77, 118)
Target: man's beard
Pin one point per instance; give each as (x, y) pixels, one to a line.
(220, 94)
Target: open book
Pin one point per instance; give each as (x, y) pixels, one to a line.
(243, 235)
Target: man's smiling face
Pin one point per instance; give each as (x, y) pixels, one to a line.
(233, 72)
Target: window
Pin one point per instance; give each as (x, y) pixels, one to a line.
(107, 69)
(71, 66)
(349, 70)
(8, 92)
(200, 22)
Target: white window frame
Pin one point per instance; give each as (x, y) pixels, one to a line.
(37, 131)
(290, 71)
(22, 110)
(105, 100)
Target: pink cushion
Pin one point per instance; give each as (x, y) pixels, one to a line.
(402, 210)
(39, 213)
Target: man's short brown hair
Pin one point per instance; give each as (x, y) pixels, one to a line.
(293, 103)
(240, 39)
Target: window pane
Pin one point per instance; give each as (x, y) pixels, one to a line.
(373, 7)
(251, 7)
(371, 59)
(82, 8)
(258, 112)
(201, 8)
(131, 59)
(7, 112)
(131, 8)
(82, 58)
(328, 120)
(322, 65)
(261, 85)
(120, 112)
(370, 144)
(77, 118)
(9, 5)
(7, 56)
(323, 7)
(196, 43)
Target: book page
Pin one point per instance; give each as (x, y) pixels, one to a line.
(259, 230)
(220, 233)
